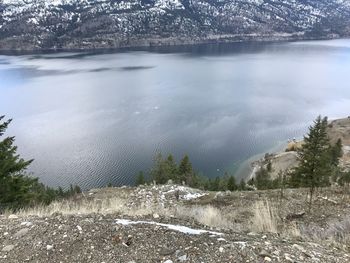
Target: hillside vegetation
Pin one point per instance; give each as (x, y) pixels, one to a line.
(160, 221)
(75, 24)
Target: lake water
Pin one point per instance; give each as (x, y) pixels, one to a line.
(91, 119)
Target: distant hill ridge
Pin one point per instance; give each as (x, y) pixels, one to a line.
(85, 24)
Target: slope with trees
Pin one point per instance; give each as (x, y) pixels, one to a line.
(17, 188)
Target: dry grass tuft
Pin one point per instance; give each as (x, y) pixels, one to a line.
(83, 206)
(337, 232)
(206, 215)
(111, 205)
(265, 217)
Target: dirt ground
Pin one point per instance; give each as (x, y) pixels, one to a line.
(178, 224)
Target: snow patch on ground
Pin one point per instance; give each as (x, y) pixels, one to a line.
(191, 196)
(182, 229)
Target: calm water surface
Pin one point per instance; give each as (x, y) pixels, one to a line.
(91, 119)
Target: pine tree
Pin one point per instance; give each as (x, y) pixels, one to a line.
(336, 152)
(231, 184)
(185, 170)
(262, 179)
(15, 186)
(17, 189)
(171, 169)
(158, 170)
(242, 185)
(314, 159)
(140, 180)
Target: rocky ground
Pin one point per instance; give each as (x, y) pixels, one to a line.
(178, 224)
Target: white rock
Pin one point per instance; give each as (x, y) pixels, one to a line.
(300, 248)
(21, 232)
(79, 228)
(6, 233)
(288, 257)
(49, 247)
(182, 258)
(27, 224)
(155, 216)
(221, 249)
(267, 259)
(12, 217)
(8, 248)
(168, 261)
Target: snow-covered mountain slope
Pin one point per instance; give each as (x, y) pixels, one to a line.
(44, 24)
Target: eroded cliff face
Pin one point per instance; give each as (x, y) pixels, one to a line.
(49, 24)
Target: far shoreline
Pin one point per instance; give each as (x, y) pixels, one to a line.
(178, 46)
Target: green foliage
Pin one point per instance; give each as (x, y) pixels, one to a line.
(166, 169)
(336, 152)
(158, 172)
(318, 162)
(17, 189)
(315, 161)
(140, 180)
(262, 179)
(231, 184)
(344, 179)
(186, 170)
(242, 185)
(171, 166)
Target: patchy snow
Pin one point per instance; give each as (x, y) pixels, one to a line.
(191, 196)
(185, 193)
(169, 4)
(242, 244)
(182, 229)
(346, 149)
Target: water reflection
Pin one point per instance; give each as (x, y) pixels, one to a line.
(95, 118)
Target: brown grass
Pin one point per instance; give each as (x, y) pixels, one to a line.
(265, 217)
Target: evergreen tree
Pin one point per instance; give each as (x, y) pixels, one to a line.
(314, 159)
(344, 179)
(17, 189)
(158, 170)
(242, 185)
(336, 152)
(15, 186)
(262, 179)
(215, 184)
(140, 180)
(171, 169)
(223, 182)
(185, 170)
(164, 170)
(231, 184)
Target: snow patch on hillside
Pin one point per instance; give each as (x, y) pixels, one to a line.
(182, 229)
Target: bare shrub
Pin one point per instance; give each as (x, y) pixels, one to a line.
(337, 232)
(206, 215)
(291, 230)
